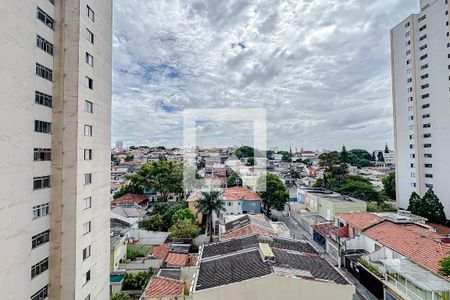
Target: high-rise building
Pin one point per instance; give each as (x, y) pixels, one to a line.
(420, 53)
(55, 73)
(119, 145)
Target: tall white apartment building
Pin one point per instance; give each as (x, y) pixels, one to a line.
(55, 74)
(420, 50)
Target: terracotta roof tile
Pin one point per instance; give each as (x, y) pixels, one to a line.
(419, 248)
(360, 220)
(161, 251)
(247, 230)
(164, 287)
(130, 199)
(177, 259)
(240, 193)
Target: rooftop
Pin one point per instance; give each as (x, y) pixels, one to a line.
(419, 247)
(160, 251)
(130, 199)
(240, 193)
(164, 287)
(360, 220)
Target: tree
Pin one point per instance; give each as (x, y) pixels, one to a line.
(184, 229)
(233, 179)
(120, 296)
(269, 154)
(434, 210)
(344, 155)
(386, 149)
(244, 151)
(164, 176)
(295, 173)
(360, 190)
(182, 214)
(444, 264)
(250, 161)
(382, 207)
(137, 281)
(129, 157)
(129, 189)
(274, 194)
(360, 153)
(380, 156)
(286, 157)
(327, 161)
(415, 204)
(389, 185)
(211, 202)
(154, 223)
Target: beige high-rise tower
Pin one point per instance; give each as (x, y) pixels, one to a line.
(420, 49)
(55, 127)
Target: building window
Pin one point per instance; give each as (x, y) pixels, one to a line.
(424, 76)
(41, 182)
(408, 52)
(86, 252)
(44, 44)
(88, 178)
(427, 175)
(86, 227)
(42, 154)
(88, 297)
(423, 47)
(89, 59)
(423, 37)
(90, 13)
(39, 268)
(424, 67)
(412, 156)
(44, 72)
(88, 106)
(41, 294)
(428, 185)
(89, 36)
(427, 105)
(423, 56)
(87, 203)
(87, 277)
(45, 18)
(428, 125)
(428, 155)
(409, 80)
(423, 27)
(422, 18)
(425, 86)
(428, 165)
(407, 34)
(427, 145)
(425, 116)
(427, 135)
(43, 99)
(90, 83)
(41, 210)
(87, 154)
(40, 239)
(87, 130)
(43, 127)
(406, 24)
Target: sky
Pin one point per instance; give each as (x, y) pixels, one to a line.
(319, 68)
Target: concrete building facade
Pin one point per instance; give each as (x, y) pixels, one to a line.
(420, 60)
(55, 137)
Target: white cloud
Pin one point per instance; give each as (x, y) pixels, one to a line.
(320, 68)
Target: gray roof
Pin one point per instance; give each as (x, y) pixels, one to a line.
(253, 240)
(246, 220)
(170, 273)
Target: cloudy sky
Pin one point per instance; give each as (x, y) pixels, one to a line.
(320, 69)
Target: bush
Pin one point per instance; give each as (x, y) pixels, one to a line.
(371, 268)
(382, 207)
(137, 281)
(134, 251)
(444, 268)
(184, 229)
(120, 296)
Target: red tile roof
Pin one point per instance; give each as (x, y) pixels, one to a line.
(360, 220)
(161, 251)
(164, 287)
(328, 229)
(247, 230)
(177, 259)
(408, 242)
(130, 199)
(240, 193)
(440, 229)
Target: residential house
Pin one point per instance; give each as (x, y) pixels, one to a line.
(240, 200)
(130, 200)
(260, 267)
(232, 226)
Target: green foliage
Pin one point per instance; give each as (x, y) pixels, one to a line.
(269, 154)
(209, 203)
(134, 251)
(233, 179)
(428, 207)
(120, 296)
(137, 281)
(360, 190)
(244, 151)
(164, 176)
(343, 156)
(182, 214)
(129, 157)
(133, 148)
(318, 183)
(129, 189)
(192, 180)
(166, 210)
(360, 153)
(444, 266)
(370, 267)
(154, 223)
(389, 185)
(274, 195)
(295, 173)
(184, 229)
(250, 161)
(382, 207)
(380, 156)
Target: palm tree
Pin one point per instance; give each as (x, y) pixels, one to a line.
(211, 202)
